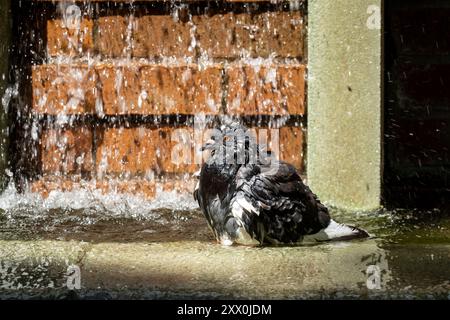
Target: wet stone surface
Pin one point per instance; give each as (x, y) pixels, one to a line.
(138, 251)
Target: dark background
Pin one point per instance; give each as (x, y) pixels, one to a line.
(417, 103)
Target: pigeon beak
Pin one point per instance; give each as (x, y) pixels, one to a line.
(208, 145)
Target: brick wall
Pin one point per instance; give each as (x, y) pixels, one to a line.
(111, 92)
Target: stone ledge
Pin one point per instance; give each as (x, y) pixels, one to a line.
(206, 270)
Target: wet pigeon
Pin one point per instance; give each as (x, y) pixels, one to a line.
(248, 197)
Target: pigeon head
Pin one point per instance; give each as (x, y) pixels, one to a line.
(232, 144)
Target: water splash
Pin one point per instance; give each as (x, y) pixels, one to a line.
(112, 204)
(10, 92)
(70, 94)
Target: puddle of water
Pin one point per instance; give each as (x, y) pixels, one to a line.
(402, 226)
(93, 216)
(411, 248)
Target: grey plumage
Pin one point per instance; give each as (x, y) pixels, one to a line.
(249, 197)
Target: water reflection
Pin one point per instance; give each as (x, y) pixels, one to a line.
(409, 249)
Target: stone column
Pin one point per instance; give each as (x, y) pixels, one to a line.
(5, 32)
(344, 102)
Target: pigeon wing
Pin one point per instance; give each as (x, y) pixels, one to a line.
(277, 195)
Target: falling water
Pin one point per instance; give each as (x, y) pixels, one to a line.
(77, 96)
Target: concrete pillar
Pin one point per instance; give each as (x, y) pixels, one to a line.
(5, 31)
(344, 102)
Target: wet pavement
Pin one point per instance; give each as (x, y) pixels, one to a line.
(168, 253)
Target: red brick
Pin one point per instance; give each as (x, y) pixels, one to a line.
(113, 39)
(64, 89)
(223, 35)
(121, 90)
(136, 187)
(66, 151)
(274, 90)
(264, 34)
(280, 33)
(157, 89)
(175, 150)
(46, 185)
(67, 41)
(156, 36)
(291, 146)
(125, 151)
(183, 89)
(183, 184)
(290, 143)
(142, 151)
(226, 35)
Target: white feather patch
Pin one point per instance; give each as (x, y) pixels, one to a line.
(237, 211)
(226, 242)
(197, 186)
(333, 231)
(246, 205)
